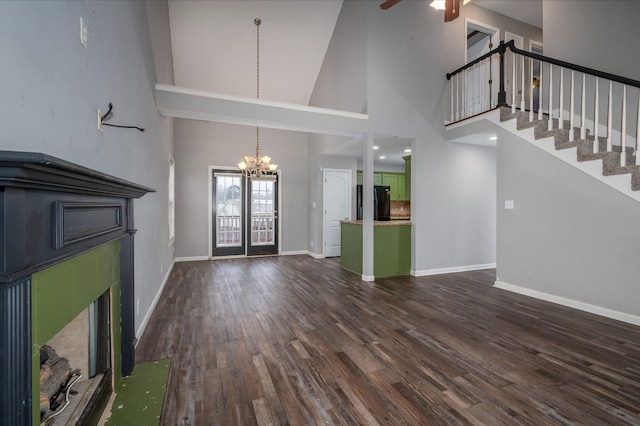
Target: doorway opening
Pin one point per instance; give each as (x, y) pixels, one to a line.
(536, 47)
(482, 94)
(337, 206)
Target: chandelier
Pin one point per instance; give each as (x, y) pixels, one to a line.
(258, 166)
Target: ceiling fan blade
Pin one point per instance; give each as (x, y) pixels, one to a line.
(451, 10)
(388, 3)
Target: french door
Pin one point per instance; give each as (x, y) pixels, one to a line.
(245, 214)
(262, 226)
(228, 213)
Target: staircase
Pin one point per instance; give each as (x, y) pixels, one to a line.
(556, 89)
(612, 164)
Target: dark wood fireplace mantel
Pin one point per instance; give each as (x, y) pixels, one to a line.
(50, 211)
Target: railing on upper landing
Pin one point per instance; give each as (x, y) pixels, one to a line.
(603, 105)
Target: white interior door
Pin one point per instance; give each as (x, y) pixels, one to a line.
(337, 207)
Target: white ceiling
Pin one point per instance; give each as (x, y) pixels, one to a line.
(214, 46)
(214, 49)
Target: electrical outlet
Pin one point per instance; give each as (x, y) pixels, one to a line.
(311, 243)
(99, 120)
(138, 307)
(84, 33)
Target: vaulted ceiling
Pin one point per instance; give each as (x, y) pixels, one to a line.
(214, 45)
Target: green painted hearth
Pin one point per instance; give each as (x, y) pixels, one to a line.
(63, 291)
(391, 248)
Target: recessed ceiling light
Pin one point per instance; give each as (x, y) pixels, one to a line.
(407, 150)
(493, 138)
(382, 157)
(376, 147)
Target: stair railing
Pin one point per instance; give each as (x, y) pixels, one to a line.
(566, 95)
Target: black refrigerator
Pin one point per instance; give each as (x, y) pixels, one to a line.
(381, 202)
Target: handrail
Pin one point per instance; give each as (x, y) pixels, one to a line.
(500, 49)
(579, 68)
(511, 45)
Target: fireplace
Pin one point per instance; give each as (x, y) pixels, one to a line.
(66, 238)
(75, 379)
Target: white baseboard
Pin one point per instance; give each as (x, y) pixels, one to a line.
(146, 318)
(368, 278)
(294, 253)
(191, 258)
(427, 272)
(598, 310)
(315, 255)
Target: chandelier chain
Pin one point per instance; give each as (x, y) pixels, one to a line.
(257, 167)
(257, 21)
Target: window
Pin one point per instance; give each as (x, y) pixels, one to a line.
(172, 200)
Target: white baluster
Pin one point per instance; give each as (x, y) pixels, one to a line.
(540, 103)
(487, 95)
(523, 91)
(623, 136)
(451, 86)
(550, 97)
(463, 95)
(457, 96)
(531, 89)
(583, 119)
(513, 83)
(561, 114)
(596, 121)
(609, 116)
(571, 108)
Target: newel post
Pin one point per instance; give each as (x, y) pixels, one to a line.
(502, 94)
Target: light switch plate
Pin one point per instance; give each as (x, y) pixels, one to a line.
(509, 204)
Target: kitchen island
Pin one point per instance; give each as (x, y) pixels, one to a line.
(391, 247)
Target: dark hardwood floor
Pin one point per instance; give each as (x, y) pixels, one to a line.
(296, 340)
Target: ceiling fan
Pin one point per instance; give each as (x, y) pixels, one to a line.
(451, 7)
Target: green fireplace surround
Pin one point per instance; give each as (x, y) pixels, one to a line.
(66, 237)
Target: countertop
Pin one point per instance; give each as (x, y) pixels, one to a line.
(380, 222)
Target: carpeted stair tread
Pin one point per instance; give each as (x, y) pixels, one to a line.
(610, 160)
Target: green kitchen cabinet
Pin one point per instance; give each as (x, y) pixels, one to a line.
(407, 174)
(391, 180)
(391, 248)
(377, 178)
(402, 191)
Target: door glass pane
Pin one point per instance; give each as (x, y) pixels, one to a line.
(263, 212)
(229, 210)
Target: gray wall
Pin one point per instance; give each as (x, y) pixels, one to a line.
(569, 235)
(409, 51)
(342, 81)
(52, 88)
(600, 34)
(200, 144)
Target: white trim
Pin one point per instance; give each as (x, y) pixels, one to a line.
(495, 37)
(191, 258)
(428, 272)
(145, 320)
(536, 43)
(508, 36)
(586, 307)
(368, 278)
(294, 253)
(316, 255)
(264, 102)
(171, 189)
